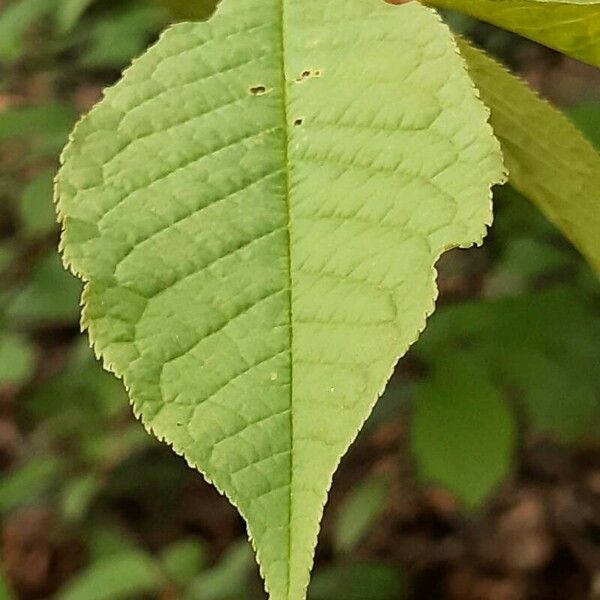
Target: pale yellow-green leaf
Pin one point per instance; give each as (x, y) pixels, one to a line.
(548, 158)
(570, 26)
(257, 208)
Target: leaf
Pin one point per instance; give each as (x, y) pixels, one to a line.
(541, 346)
(36, 209)
(587, 118)
(569, 26)
(45, 127)
(227, 580)
(15, 20)
(129, 574)
(359, 512)
(122, 34)
(558, 401)
(24, 485)
(463, 435)
(17, 359)
(358, 581)
(77, 496)
(256, 208)
(183, 560)
(69, 13)
(528, 259)
(49, 296)
(192, 10)
(549, 160)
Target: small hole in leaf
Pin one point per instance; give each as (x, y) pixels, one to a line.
(304, 75)
(299, 121)
(317, 73)
(258, 90)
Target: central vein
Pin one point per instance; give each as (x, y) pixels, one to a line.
(286, 144)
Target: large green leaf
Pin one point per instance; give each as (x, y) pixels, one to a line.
(257, 208)
(549, 160)
(570, 26)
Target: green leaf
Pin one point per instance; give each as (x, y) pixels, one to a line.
(191, 10)
(36, 208)
(557, 400)
(17, 359)
(359, 512)
(587, 118)
(183, 560)
(359, 581)
(69, 13)
(15, 20)
(49, 297)
(463, 433)
(548, 158)
(527, 259)
(257, 208)
(25, 484)
(121, 34)
(570, 26)
(45, 127)
(77, 496)
(542, 347)
(227, 580)
(129, 574)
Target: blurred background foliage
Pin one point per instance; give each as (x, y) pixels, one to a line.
(478, 476)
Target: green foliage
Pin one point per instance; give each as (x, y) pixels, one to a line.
(570, 26)
(264, 390)
(551, 369)
(359, 512)
(183, 560)
(587, 118)
(226, 581)
(26, 485)
(360, 581)
(117, 31)
(115, 37)
(189, 11)
(43, 128)
(49, 296)
(16, 19)
(116, 577)
(69, 13)
(548, 159)
(36, 210)
(463, 432)
(17, 360)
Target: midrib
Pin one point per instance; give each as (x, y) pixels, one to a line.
(286, 144)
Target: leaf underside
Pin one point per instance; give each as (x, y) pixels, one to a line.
(548, 158)
(256, 209)
(569, 26)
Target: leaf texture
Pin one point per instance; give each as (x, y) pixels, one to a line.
(256, 209)
(569, 26)
(549, 160)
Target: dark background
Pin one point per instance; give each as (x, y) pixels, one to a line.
(477, 478)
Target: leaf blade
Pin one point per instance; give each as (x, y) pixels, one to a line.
(549, 160)
(235, 309)
(569, 26)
